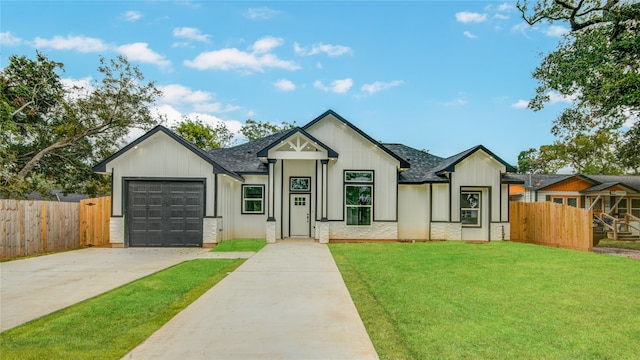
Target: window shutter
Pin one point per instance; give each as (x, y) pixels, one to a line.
(583, 201)
(548, 197)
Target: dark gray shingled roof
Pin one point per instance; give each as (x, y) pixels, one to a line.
(600, 182)
(427, 168)
(421, 164)
(243, 159)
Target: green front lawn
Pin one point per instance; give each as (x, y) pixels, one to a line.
(110, 325)
(493, 301)
(241, 245)
(635, 245)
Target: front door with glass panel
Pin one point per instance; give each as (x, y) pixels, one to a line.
(299, 215)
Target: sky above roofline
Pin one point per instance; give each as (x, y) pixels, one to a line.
(435, 75)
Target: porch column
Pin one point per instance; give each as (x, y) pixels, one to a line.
(323, 211)
(322, 227)
(271, 220)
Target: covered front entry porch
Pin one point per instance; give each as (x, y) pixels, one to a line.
(297, 187)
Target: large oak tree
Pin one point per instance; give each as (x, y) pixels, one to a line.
(598, 65)
(52, 134)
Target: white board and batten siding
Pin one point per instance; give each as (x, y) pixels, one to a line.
(248, 226)
(357, 153)
(479, 172)
(160, 156)
(413, 212)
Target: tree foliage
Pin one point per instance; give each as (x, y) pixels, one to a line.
(598, 65)
(203, 135)
(254, 130)
(52, 134)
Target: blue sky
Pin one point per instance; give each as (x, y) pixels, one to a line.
(436, 75)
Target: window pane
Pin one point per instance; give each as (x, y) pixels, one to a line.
(558, 200)
(253, 205)
(358, 195)
(253, 192)
(470, 200)
(358, 176)
(635, 203)
(572, 202)
(469, 217)
(358, 215)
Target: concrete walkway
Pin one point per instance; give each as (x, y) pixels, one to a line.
(33, 287)
(288, 301)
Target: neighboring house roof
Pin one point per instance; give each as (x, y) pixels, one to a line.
(632, 182)
(56, 195)
(403, 163)
(330, 152)
(540, 181)
(218, 168)
(536, 182)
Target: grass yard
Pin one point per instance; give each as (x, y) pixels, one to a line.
(241, 245)
(635, 245)
(110, 325)
(454, 300)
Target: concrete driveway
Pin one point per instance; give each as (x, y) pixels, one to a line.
(33, 287)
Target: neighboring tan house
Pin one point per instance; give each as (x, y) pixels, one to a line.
(327, 180)
(612, 198)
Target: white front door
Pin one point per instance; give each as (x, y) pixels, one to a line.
(299, 215)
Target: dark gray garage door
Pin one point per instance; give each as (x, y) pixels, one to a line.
(165, 213)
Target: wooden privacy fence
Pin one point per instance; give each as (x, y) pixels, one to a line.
(94, 221)
(29, 227)
(551, 224)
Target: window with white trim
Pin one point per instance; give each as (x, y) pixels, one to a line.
(252, 199)
(358, 199)
(470, 208)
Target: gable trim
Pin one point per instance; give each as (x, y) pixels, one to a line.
(101, 167)
(403, 163)
(451, 167)
(265, 152)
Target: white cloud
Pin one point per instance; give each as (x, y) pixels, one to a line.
(232, 58)
(196, 100)
(337, 86)
(379, 86)
(77, 88)
(556, 30)
(132, 15)
(174, 117)
(520, 104)
(331, 50)
(284, 85)
(266, 44)
(140, 52)
(470, 17)
(555, 98)
(455, 102)
(178, 94)
(632, 118)
(7, 39)
(190, 33)
(500, 16)
(469, 35)
(262, 13)
(522, 28)
(505, 7)
(78, 43)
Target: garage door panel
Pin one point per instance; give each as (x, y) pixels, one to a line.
(165, 213)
